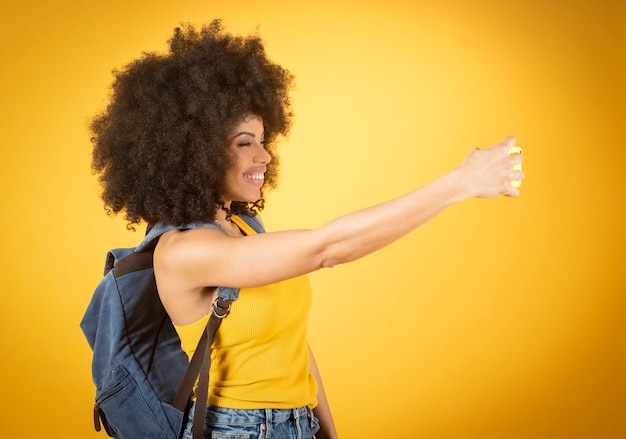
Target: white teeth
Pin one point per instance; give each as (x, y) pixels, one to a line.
(255, 176)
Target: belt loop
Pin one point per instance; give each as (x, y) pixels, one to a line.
(269, 423)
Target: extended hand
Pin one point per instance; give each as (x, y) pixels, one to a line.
(489, 172)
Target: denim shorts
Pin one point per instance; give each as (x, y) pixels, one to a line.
(223, 423)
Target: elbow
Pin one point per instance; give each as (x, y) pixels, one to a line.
(341, 254)
(329, 263)
(326, 260)
(331, 256)
(331, 251)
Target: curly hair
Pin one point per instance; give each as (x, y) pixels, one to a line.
(160, 146)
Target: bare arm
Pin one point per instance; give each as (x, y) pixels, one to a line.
(271, 257)
(322, 411)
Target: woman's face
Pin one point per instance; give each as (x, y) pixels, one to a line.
(249, 159)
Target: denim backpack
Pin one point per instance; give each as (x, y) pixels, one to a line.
(138, 364)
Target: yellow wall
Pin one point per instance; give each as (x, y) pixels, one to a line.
(500, 319)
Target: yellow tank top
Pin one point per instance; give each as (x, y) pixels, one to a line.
(260, 356)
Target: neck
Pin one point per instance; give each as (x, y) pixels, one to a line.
(222, 214)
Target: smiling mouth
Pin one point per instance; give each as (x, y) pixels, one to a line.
(256, 179)
(255, 176)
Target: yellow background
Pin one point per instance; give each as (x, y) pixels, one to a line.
(499, 319)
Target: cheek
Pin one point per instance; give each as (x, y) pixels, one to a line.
(231, 179)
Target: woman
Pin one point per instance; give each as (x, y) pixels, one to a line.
(189, 137)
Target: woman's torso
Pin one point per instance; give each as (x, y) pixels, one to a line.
(260, 356)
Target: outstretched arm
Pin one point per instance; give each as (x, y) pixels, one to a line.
(271, 257)
(322, 411)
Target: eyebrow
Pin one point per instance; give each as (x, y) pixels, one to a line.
(246, 133)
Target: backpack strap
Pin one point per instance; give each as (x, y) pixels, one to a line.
(133, 262)
(198, 369)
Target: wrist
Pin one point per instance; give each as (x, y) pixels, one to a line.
(457, 186)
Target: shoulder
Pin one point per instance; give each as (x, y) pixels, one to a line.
(180, 265)
(183, 245)
(181, 258)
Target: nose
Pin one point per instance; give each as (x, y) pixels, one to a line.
(261, 155)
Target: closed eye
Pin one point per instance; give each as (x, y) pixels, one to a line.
(248, 143)
(245, 141)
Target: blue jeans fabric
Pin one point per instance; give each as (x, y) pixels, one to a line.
(223, 423)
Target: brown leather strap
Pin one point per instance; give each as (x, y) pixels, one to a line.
(191, 374)
(133, 262)
(202, 394)
(200, 365)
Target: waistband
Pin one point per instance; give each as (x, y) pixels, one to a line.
(220, 415)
